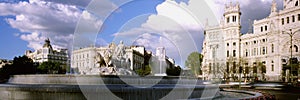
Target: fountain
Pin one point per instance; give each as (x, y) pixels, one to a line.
(81, 87)
(113, 80)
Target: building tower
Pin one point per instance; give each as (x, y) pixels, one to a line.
(231, 31)
(232, 28)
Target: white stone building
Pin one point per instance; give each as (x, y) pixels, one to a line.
(84, 60)
(48, 54)
(225, 47)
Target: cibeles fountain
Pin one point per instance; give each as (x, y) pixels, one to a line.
(112, 80)
(113, 62)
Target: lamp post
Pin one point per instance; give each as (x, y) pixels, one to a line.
(291, 34)
(240, 66)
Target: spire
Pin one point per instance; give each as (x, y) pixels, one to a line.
(47, 43)
(274, 6)
(206, 22)
(237, 4)
(250, 26)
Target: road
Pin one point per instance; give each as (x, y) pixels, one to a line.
(285, 94)
(280, 90)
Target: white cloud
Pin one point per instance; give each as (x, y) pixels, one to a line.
(56, 19)
(35, 39)
(251, 9)
(178, 21)
(151, 41)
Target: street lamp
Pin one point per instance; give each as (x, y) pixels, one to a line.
(240, 73)
(291, 34)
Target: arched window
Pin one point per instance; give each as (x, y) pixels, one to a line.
(295, 49)
(296, 4)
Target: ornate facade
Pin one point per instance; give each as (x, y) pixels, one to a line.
(262, 54)
(48, 54)
(85, 62)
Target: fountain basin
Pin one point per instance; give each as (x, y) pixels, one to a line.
(81, 87)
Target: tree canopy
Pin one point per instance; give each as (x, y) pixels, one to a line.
(145, 71)
(193, 62)
(51, 68)
(21, 65)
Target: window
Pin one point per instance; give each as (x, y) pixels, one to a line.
(296, 48)
(234, 53)
(227, 53)
(293, 18)
(228, 20)
(227, 44)
(234, 43)
(246, 53)
(261, 29)
(266, 28)
(298, 17)
(264, 51)
(233, 18)
(254, 69)
(272, 65)
(254, 42)
(282, 21)
(227, 67)
(254, 51)
(288, 20)
(296, 4)
(272, 46)
(234, 67)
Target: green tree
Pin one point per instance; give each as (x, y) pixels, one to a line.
(21, 65)
(51, 68)
(145, 71)
(194, 61)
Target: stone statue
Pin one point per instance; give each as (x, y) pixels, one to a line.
(100, 62)
(116, 63)
(107, 58)
(119, 51)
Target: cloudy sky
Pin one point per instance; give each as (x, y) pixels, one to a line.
(176, 25)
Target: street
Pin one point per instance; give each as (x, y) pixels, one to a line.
(285, 94)
(280, 90)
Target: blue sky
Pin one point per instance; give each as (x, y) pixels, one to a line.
(25, 24)
(128, 11)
